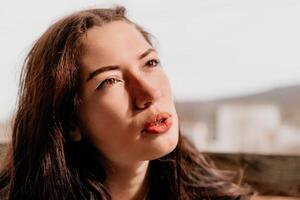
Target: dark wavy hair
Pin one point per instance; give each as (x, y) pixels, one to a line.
(43, 163)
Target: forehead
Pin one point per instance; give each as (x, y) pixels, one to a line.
(113, 41)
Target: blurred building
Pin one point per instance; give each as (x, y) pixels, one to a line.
(196, 132)
(263, 123)
(247, 128)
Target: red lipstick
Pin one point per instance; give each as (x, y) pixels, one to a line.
(158, 123)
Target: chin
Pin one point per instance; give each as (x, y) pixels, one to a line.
(167, 151)
(162, 146)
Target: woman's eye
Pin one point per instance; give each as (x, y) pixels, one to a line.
(152, 63)
(107, 82)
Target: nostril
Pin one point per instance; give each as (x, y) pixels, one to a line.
(142, 104)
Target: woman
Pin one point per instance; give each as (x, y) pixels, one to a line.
(96, 120)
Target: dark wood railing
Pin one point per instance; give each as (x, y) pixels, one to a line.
(277, 175)
(268, 174)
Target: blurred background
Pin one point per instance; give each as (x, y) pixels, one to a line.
(234, 66)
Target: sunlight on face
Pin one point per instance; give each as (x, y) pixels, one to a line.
(122, 86)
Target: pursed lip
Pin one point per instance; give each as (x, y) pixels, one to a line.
(158, 123)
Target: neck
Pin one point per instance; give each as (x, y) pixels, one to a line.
(127, 181)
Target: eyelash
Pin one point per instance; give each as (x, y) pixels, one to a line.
(157, 62)
(111, 81)
(107, 82)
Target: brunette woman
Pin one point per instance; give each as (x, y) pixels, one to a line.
(96, 120)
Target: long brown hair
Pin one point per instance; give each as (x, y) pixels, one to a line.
(43, 163)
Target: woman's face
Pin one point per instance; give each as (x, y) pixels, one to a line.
(122, 89)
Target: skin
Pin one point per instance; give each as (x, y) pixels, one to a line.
(117, 103)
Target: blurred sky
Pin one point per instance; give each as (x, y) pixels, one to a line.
(209, 48)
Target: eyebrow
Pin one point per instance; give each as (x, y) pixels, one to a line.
(101, 70)
(115, 67)
(146, 53)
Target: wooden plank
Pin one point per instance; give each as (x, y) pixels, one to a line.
(274, 198)
(268, 174)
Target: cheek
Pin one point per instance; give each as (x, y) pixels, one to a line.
(103, 127)
(102, 112)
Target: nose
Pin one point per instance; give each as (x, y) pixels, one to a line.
(145, 92)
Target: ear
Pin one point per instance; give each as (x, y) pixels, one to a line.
(75, 135)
